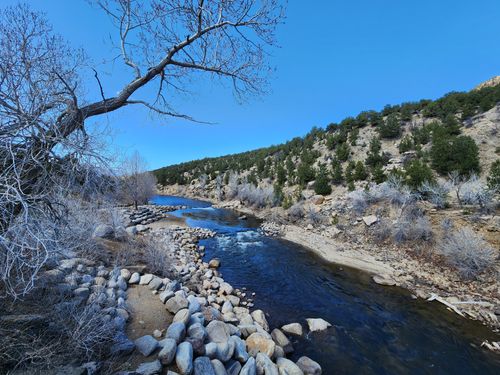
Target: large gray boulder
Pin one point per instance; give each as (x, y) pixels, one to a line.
(183, 316)
(240, 349)
(218, 366)
(233, 368)
(218, 331)
(203, 366)
(184, 358)
(281, 340)
(317, 324)
(285, 366)
(176, 331)
(260, 318)
(176, 303)
(308, 366)
(265, 365)
(104, 231)
(293, 329)
(146, 345)
(167, 353)
(149, 368)
(225, 351)
(249, 368)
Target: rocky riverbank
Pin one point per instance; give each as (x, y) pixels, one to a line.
(390, 265)
(212, 329)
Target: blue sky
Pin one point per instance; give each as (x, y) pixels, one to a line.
(336, 59)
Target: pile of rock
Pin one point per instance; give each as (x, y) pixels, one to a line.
(212, 333)
(137, 220)
(270, 228)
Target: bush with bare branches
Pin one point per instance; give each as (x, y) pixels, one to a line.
(468, 253)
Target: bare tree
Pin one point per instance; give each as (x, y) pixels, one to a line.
(43, 110)
(138, 184)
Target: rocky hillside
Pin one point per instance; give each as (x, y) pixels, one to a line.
(418, 141)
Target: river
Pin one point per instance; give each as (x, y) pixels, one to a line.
(376, 329)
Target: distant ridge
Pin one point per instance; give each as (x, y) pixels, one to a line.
(489, 83)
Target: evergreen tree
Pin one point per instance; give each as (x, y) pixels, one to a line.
(337, 176)
(305, 173)
(360, 172)
(494, 177)
(280, 174)
(416, 173)
(322, 182)
(450, 153)
(378, 174)
(406, 144)
(374, 157)
(391, 128)
(342, 152)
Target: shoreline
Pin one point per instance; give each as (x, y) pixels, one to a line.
(390, 268)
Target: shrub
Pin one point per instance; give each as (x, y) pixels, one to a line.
(468, 253)
(337, 176)
(89, 334)
(322, 183)
(342, 152)
(256, 196)
(360, 173)
(474, 192)
(382, 230)
(391, 127)
(412, 228)
(314, 217)
(374, 157)
(305, 173)
(435, 193)
(378, 174)
(157, 255)
(417, 173)
(494, 177)
(406, 144)
(296, 212)
(449, 154)
(359, 200)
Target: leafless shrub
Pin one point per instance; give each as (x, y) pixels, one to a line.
(137, 184)
(88, 334)
(158, 255)
(22, 346)
(412, 226)
(475, 192)
(296, 212)
(232, 185)
(393, 191)
(436, 193)
(314, 217)
(468, 253)
(256, 196)
(219, 193)
(382, 230)
(447, 227)
(359, 200)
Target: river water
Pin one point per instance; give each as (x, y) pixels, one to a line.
(377, 329)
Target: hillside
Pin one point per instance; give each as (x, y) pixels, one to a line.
(409, 194)
(405, 133)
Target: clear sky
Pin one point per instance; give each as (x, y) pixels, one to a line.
(336, 59)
